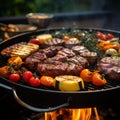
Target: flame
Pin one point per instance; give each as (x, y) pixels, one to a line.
(72, 114)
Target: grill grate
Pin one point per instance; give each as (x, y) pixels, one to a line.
(88, 86)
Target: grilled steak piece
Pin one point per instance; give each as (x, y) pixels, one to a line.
(52, 69)
(110, 66)
(79, 60)
(79, 49)
(58, 68)
(114, 73)
(55, 59)
(34, 59)
(72, 42)
(90, 56)
(66, 52)
(53, 42)
(114, 60)
(31, 63)
(51, 51)
(74, 69)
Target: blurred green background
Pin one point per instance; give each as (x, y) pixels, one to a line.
(22, 7)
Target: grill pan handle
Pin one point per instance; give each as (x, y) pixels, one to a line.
(32, 108)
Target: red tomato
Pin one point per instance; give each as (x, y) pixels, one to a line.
(101, 36)
(35, 41)
(27, 75)
(109, 36)
(34, 82)
(14, 77)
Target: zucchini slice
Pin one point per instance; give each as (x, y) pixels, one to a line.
(69, 83)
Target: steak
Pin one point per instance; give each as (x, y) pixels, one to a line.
(53, 42)
(72, 42)
(90, 56)
(51, 51)
(79, 49)
(110, 66)
(52, 69)
(79, 60)
(66, 52)
(58, 60)
(58, 68)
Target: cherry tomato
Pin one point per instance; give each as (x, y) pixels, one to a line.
(86, 75)
(35, 41)
(27, 75)
(98, 79)
(101, 36)
(109, 36)
(14, 77)
(47, 81)
(34, 82)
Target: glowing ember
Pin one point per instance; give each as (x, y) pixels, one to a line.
(72, 114)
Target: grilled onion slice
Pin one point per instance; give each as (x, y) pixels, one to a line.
(69, 83)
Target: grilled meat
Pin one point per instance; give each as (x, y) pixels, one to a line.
(72, 42)
(110, 66)
(79, 60)
(90, 56)
(59, 68)
(51, 51)
(66, 52)
(52, 69)
(53, 42)
(79, 49)
(114, 73)
(57, 58)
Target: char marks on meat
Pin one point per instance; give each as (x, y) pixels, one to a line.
(114, 73)
(59, 68)
(79, 49)
(56, 59)
(90, 56)
(51, 51)
(70, 43)
(52, 69)
(66, 52)
(110, 66)
(53, 42)
(114, 60)
(74, 69)
(79, 60)
(35, 58)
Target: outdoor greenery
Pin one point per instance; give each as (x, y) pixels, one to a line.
(22, 7)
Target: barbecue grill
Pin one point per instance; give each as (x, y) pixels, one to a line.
(44, 99)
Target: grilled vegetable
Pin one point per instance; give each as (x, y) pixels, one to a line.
(25, 50)
(98, 79)
(14, 77)
(69, 83)
(44, 37)
(86, 75)
(47, 81)
(4, 72)
(110, 52)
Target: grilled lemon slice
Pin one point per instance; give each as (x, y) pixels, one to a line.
(69, 83)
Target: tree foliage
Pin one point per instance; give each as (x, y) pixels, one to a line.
(22, 7)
